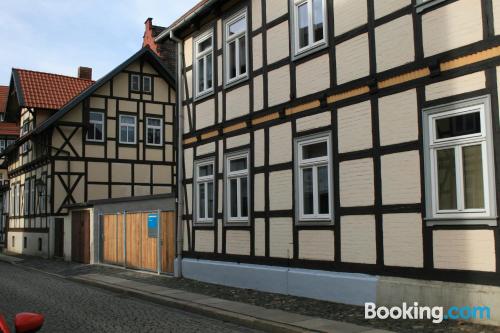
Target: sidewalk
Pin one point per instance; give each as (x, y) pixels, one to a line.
(267, 311)
(241, 313)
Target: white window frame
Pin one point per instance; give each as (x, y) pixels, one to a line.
(422, 5)
(203, 55)
(228, 175)
(154, 127)
(144, 77)
(96, 122)
(132, 89)
(128, 125)
(301, 164)
(313, 46)
(227, 40)
(203, 181)
(461, 215)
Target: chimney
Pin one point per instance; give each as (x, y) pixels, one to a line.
(85, 73)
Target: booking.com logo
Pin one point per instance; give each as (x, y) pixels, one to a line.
(436, 313)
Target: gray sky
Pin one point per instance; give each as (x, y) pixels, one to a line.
(57, 36)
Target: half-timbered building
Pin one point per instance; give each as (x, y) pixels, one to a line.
(343, 150)
(9, 132)
(83, 144)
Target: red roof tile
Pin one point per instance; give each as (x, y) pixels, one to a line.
(4, 92)
(9, 129)
(49, 91)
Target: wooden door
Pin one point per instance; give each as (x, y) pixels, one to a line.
(167, 241)
(80, 236)
(59, 238)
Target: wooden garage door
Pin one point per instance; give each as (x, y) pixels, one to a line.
(80, 236)
(126, 242)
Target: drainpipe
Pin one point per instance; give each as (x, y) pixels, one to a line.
(180, 158)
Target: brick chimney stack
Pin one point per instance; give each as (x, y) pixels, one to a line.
(85, 73)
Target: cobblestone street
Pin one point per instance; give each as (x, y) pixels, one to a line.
(72, 307)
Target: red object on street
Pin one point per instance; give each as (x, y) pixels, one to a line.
(3, 325)
(28, 322)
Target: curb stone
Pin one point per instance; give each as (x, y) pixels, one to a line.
(233, 317)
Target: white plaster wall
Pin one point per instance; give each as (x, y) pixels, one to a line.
(456, 24)
(280, 190)
(317, 245)
(459, 85)
(238, 242)
(398, 118)
(464, 249)
(356, 183)
(358, 244)
(279, 86)
(237, 141)
(278, 43)
(259, 148)
(313, 75)
(260, 237)
(259, 194)
(204, 241)
(205, 114)
(403, 241)
(281, 237)
(237, 102)
(280, 145)
(275, 9)
(394, 43)
(315, 121)
(355, 127)
(349, 14)
(353, 59)
(401, 178)
(385, 7)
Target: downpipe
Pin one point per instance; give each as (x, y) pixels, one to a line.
(180, 158)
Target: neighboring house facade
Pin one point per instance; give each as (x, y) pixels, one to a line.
(83, 144)
(9, 132)
(342, 150)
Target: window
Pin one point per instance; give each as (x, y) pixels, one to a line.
(127, 129)
(42, 197)
(26, 200)
(32, 196)
(204, 191)
(24, 130)
(96, 127)
(135, 83)
(17, 197)
(154, 131)
(2, 116)
(237, 187)
(459, 161)
(146, 84)
(236, 48)
(314, 178)
(204, 64)
(309, 25)
(40, 243)
(2, 145)
(9, 142)
(25, 242)
(425, 4)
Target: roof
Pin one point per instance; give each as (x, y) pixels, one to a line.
(9, 129)
(144, 52)
(186, 17)
(46, 90)
(4, 93)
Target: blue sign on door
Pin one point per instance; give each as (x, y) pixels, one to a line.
(153, 225)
